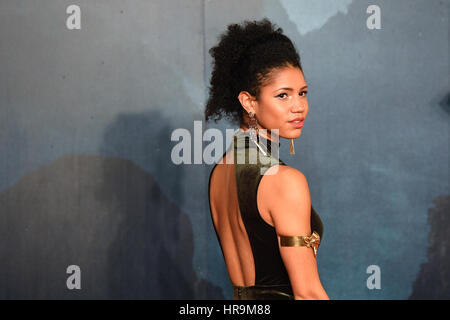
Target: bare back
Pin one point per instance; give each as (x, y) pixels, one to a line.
(247, 238)
(228, 223)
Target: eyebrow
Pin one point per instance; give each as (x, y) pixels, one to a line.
(290, 89)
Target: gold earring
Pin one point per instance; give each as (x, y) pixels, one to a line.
(292, 151)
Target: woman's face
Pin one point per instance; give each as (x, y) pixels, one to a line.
(281, 101)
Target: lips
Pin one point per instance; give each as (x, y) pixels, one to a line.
(297, 122)
(297, 119)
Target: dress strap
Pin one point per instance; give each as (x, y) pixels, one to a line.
(312, 241)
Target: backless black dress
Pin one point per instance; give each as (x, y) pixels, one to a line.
(271, 277)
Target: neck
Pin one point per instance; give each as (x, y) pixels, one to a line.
(263, 132)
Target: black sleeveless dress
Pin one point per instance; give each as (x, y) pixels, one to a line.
(271, 277)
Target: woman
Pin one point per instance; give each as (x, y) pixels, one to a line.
(261, 210)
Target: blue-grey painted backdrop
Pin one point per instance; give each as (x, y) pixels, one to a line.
(86, 116)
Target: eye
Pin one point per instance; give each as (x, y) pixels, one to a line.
(281, 95)
(303, 93)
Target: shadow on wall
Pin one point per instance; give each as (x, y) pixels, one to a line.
(106, 215)
(154, 241)
(445, 103)
(433, 280)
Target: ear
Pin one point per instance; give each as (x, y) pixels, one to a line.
(248, 102)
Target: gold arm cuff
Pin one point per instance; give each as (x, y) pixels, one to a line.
(312, 241)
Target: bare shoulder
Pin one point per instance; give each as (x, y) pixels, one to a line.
(284, 174)
(285, 181)
(287, 198)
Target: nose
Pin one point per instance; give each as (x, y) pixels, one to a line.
(298, 105)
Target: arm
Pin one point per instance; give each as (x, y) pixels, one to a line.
(289, 204)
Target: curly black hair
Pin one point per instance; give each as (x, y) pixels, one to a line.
(243, 60)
